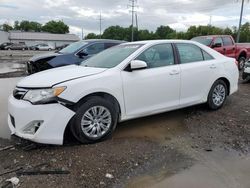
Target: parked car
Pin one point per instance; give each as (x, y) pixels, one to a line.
(17, 46)
(45, 47)
(127, 81)
(226, 45)
(61, 47)
(246, 71)
(75, 53)
(3, 45)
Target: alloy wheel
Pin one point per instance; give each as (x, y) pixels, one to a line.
(219, 95)
(96, 122)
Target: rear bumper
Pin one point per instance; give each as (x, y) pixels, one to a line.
(246, 73)
(54, 117)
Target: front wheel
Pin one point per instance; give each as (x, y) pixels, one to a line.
(217, 95)
(241, 61)
(95, 120)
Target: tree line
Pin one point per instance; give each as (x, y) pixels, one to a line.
(124, 33)
(166, 32)
(52, 26)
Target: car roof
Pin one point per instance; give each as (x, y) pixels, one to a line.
(103, 40)
(161, 41)
(213, 36)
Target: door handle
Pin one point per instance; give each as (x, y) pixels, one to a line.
(213, 66)
(174, 72)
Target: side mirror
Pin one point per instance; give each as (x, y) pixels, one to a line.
(217, 45)
(137, 65)
(81, 54)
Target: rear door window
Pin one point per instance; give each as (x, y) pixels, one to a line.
(189, 53)
(109, 45)
(94, 48)
(227, 41)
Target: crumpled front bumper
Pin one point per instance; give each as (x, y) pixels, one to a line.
(55, 118)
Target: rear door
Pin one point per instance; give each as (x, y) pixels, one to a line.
(228, 46)
(197, 73)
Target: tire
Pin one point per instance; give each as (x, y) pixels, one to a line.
(23, 49)
(49, 49)
(80, 131)
(8, 48)
(216, 101)
(241, 61)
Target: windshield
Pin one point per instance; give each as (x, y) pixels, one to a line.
(73, 47)
(112, 56)
(203, 40)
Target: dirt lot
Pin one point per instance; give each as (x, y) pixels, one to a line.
(193, 147)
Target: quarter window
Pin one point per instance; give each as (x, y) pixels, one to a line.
(189, 53)
(158, 56)
(207, 56)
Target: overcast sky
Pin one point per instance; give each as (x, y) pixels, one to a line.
(178, 14)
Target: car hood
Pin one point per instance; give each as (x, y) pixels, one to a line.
(52, 77)
(43, 56)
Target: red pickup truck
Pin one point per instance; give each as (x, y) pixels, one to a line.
(225, 45)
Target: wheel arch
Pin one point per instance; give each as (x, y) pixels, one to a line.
(227, 82)
(105, 95)
(242, 53)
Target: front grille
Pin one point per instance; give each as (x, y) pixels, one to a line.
(19, 93)
(12, 119)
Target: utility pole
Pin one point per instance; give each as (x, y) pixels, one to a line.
(210, 20)
(100, 24)
(241, 13)
(132, 6)
(136, 20)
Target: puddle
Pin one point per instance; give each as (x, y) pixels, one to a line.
(6, 86)
(159, 127)
(220, 169)
(11, 67)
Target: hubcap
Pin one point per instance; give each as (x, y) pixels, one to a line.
(219, 94)
(96, 121)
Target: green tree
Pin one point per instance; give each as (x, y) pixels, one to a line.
(92, 36)
(16, 25)
(56, 27)
(6, 27)
(117, 33)
(245, 32)
(164, 32)
(28, 26)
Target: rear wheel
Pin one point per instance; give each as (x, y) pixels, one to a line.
(95, 120)
(217, 95)
(241, 64)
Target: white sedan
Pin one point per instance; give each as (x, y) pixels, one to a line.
(124, 82)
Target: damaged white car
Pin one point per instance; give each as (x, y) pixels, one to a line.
(124, 82)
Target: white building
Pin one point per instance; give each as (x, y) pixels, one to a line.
(33, 38)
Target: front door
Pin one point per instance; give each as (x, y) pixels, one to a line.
(156, 88)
